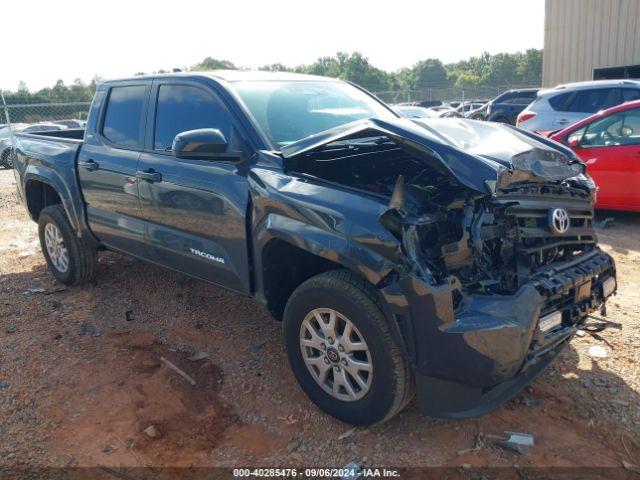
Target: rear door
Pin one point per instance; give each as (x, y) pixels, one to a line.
(107, 166)
(195, 209)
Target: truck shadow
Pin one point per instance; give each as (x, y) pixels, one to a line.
(621, 232)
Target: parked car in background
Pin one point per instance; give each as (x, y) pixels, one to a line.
(430, 103)
(462, 109)
(478, 113)
(609, 144)
(506, 106)
(564, 105)
(441, 108)
(71, 123)
(5, 138)
(414, 111)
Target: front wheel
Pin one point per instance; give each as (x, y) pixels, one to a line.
(341, 350)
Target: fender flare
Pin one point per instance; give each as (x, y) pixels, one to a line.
(69, 203)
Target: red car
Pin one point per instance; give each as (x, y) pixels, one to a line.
(609, 144)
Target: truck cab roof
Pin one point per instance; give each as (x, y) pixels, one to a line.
(230, 76)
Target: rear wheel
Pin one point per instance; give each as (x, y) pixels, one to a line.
(6, 158)
(341, 350)
(72, 260)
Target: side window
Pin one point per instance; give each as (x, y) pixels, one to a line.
(558, 102)
(525, 98)
(123, 118)
(630, 94)
(630, 131)
(183, 107)
(604, 132)
(590, 101)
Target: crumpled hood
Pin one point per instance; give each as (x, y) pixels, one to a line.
(481, 155)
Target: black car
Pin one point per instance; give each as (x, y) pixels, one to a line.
(506, 106)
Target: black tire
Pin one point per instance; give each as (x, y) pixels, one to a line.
(501, 120)
(82, 256)
(5, 158)
(392, 384)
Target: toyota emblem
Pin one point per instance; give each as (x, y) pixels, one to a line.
(559, 220)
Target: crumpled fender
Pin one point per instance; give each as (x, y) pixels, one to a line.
(322, 221)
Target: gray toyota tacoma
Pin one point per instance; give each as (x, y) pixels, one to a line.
(450, 258)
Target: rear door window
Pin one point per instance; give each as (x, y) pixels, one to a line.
(525, 98)
(558, 102)
(593, 100)
(630, 94)
(123, 119)
(184, 107)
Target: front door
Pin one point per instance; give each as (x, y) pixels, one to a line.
(195, 209)
(610, 147)
(107, 167)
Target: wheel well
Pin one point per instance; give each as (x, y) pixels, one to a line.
(284, 267)
(40, 195)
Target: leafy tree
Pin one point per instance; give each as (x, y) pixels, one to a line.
(500, 69)
(275, 67)
(213, 64)
(428, 73)
(530, 67)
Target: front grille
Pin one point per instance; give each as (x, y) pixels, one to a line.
(537, 245)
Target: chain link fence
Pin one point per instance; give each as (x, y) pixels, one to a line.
(446, 93)
(26, 113)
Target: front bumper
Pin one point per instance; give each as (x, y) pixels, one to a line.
(470, 361)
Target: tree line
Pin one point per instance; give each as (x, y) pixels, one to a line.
(503, 69)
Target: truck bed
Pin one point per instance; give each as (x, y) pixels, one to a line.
(74, 134)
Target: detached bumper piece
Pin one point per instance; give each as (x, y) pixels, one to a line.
(473, 360)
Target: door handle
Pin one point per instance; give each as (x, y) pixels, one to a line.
(90, 165)
(149, 175)
(563, 121)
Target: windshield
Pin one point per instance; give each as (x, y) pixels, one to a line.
(289, 111)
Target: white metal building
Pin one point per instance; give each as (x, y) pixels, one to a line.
(581, 36)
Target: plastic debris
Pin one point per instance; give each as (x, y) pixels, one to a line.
(198, 356)
(348, 433)
(180, 372)
(602, 224)
(597, 351)
(518, 442)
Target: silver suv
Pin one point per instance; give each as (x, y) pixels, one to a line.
(559, 107)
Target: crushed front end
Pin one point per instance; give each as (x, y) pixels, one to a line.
(500, 302)
(494, 261)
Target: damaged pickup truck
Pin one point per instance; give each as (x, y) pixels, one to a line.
(451, 258)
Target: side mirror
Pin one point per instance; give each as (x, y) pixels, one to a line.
(204, 143)
(574, 143)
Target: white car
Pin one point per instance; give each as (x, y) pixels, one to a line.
(564, 105)
(411, 111)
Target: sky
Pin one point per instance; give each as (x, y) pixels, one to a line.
(67, 39)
